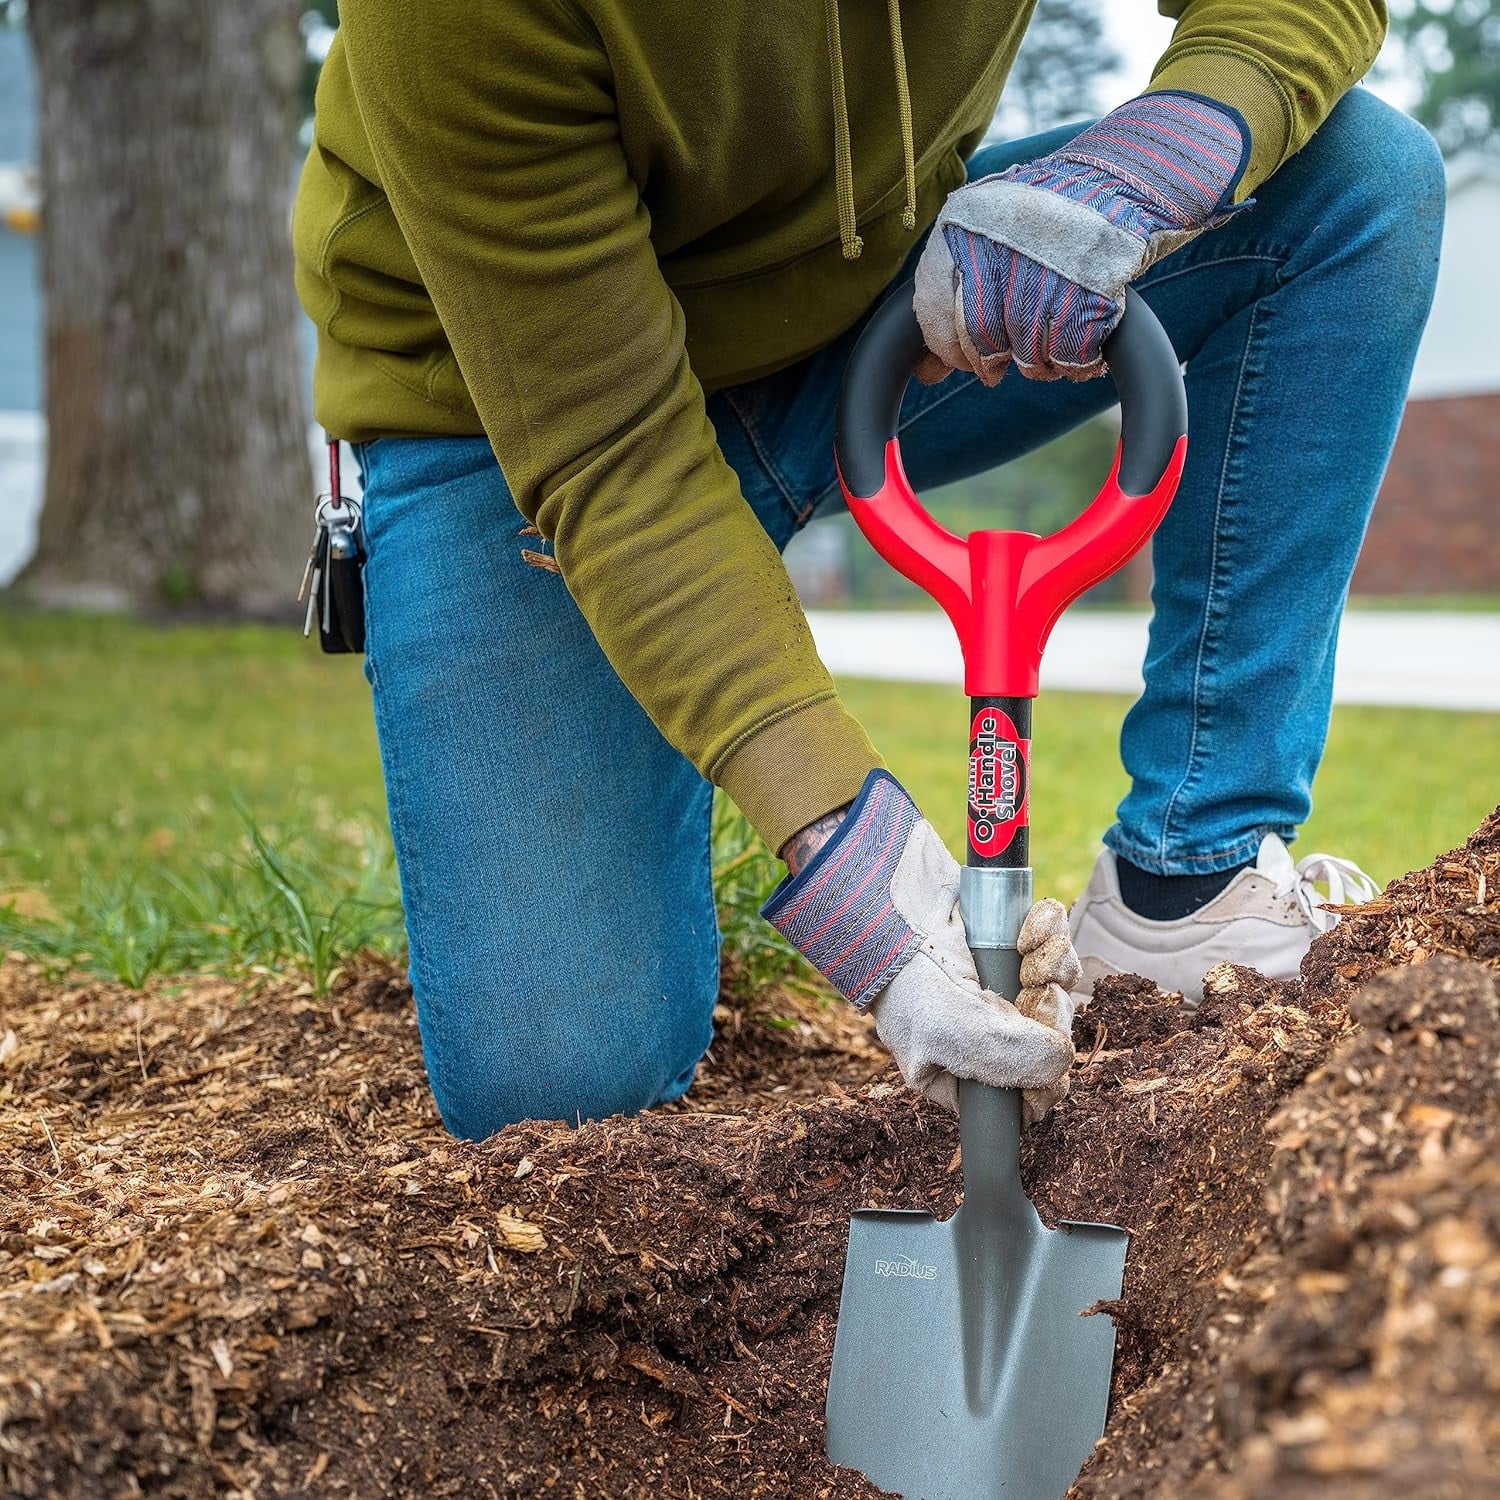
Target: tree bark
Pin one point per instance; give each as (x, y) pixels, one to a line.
(178, 468)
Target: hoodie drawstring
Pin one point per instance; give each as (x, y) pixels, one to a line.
(843, 156)
(903, 108)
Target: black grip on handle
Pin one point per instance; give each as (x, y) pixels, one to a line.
(1146, 371)
(875, 378)
(1153, 400)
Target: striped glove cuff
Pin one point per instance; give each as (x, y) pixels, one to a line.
(838, 911)
(1165, 163)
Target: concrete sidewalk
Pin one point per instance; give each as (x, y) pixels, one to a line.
(1413, 660)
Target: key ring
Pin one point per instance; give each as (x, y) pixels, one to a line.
(329, 511)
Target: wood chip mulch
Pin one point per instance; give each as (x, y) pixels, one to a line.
(239, 1257)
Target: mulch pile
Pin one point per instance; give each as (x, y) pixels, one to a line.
(239, 1257)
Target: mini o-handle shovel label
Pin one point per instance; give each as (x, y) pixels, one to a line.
(999, 781)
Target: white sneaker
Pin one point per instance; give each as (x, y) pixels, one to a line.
(1265, 918)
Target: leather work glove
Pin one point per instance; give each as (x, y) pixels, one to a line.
(1031, 265)
(876, 912)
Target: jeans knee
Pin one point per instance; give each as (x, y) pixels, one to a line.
(474, 1108)
(484, 1081)
(1385, 193)
(476, 1103)
(1394, 161)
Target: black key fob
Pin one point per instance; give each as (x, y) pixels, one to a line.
(341, 619)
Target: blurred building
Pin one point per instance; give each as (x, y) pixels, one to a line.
(818, 560)
(18, 185)
(20, 319)
(1436, 528)
(21, 429)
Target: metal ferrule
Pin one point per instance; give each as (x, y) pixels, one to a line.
(994, 903)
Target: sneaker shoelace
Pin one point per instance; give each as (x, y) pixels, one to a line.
(1346, 883)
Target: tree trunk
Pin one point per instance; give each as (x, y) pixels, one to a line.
(178, 467)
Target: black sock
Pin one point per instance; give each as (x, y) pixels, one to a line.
(1165, 898)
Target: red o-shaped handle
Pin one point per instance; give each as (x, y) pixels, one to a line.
(1004, 590)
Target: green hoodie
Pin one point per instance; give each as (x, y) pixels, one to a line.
(560, 222)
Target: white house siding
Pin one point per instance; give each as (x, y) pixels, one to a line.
(1460, 354)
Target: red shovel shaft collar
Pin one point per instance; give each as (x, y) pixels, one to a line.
(1004, 590)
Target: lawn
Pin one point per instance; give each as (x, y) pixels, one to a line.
(188, 795)
(1396, 785)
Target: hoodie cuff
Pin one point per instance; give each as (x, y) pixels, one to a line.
(1227, 78)
(790, 772)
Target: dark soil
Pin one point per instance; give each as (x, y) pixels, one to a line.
(239, 1257)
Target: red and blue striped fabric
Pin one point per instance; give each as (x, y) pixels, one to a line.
(837, 910)
(1163, 164)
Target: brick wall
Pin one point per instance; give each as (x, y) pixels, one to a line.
(1436, 528)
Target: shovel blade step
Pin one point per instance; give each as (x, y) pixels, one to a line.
(963, 1369)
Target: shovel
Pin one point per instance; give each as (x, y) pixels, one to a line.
(965, 1367)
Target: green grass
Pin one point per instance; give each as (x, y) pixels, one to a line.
(176, 798)
(254, 908)
(1395, 788)
(188, 797)
(1463, 604)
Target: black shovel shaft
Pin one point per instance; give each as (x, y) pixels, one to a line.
(996, 892)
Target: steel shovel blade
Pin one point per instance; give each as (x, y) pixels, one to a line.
(964, 1368)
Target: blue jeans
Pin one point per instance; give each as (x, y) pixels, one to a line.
(554, 849)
